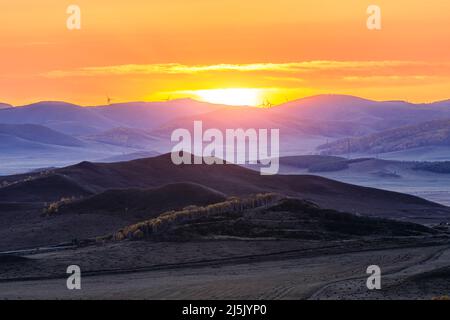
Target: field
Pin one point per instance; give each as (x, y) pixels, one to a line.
(238, 270)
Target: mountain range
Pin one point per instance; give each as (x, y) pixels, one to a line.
(425, 134)
(65, 133)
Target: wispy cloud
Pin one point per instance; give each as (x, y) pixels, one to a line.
(389, 78)
(291, 67)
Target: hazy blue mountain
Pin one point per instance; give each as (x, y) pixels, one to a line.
(327, 115)
(125, 137)
(150, 115)
(131, 156)
(38, 134)
(374, 115)
(64, 117)
(77, 120)
(426, 134)
(304, 124)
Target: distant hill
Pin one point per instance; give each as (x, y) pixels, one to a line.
(315, 163)
(126, 128)
(125, 137)
(5, 106)
(76, 120)
(432, 133)
(324, 115)
(35, 133)
(436, 167)
(61, 116)
(375, 115)
(429, 180)
(151, 115)
(131, 156)
(310, 163)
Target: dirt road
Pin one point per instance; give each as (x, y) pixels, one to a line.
(331, 277)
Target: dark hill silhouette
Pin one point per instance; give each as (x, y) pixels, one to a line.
(228, 179)
(42, 189)
(285, 218)
(145, 201)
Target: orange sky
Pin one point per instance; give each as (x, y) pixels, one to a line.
(155, 49)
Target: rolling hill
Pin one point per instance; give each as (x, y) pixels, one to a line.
(426, 134)
(76, 120)
(124, 137)
(35, 134)
(285, 218)
(428, 180)
(130, 156)
(375, 115)
(151, 115)
(229, 179)
(129, 128)
(325, 115)
(60, 116)
(41, 189)
(144, 202)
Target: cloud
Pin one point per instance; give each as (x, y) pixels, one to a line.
(169, 68)
(304, 67)
(389, 78)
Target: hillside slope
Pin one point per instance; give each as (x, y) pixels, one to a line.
(230, 180)
(433, 133)
(144, 201)
(39, 134)
(265, 216)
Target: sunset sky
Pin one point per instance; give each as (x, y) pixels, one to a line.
(273, 50)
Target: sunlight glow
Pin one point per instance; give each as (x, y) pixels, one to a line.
(232, 96)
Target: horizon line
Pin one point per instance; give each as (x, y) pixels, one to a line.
(220, 104)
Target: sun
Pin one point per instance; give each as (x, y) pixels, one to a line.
(231, 96)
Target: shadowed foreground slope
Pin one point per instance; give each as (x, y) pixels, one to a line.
(92, 178)
(266, 216)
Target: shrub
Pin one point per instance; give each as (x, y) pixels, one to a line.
(54, 207)
(172, 218)
(442, 298)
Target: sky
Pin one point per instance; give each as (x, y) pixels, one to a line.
(238, 52)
